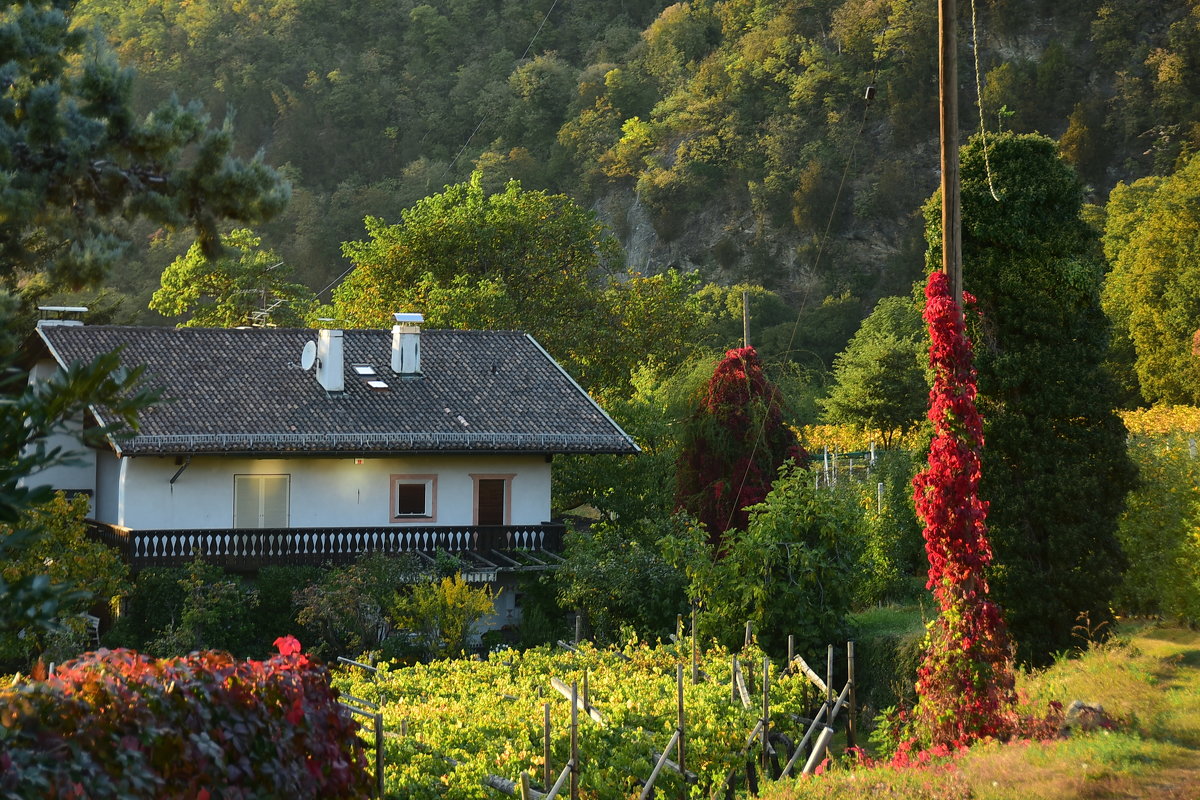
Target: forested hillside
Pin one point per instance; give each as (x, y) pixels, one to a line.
(723, 135)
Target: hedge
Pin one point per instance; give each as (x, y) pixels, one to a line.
(117, 724)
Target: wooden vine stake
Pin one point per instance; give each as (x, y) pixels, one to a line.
(682, 763)
(852, 719)
(547, 773)
(766, 715)
(574, 765)
(695, 649)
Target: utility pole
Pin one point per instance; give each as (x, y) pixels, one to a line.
(948, 96)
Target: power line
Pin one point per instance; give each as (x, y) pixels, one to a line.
(488, 115)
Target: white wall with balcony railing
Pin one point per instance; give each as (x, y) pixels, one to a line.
(323, 491)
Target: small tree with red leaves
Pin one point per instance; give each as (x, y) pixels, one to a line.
(733, 446)
(965, 682)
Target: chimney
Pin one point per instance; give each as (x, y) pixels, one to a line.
(330, 372)
(406, 344)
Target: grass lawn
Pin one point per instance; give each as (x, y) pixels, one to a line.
(1148, 679)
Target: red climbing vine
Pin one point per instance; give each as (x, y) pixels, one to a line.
(965, 682)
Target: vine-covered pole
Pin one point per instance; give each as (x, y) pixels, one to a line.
(948, 97)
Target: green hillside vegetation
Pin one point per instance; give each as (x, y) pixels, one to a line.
(724, 136)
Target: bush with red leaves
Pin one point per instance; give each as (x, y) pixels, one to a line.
(117, 724)
(734, 445)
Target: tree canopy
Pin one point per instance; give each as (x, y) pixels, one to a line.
(245, 286)
(519, 259)
(77, 163)
(1152, 293)
(879, 379)
(1055, 470)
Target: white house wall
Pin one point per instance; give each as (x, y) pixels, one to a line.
(79, 473)
(324, 492)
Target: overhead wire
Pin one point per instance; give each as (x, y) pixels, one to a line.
(471, 136)
(868, 97)
(487, 115)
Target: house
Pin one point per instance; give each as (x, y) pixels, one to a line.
(285, 446)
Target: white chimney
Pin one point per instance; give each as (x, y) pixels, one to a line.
(330, 371)
(406, 344)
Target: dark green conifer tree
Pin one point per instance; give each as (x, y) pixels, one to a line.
(1055, 470)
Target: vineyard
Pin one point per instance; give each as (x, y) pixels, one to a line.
(455, 728)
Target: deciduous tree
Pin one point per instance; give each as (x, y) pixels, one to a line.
(245, 286)
(879, 382)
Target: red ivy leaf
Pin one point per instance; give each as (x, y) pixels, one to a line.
(288, 645)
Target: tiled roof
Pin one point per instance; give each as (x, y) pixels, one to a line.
(243, 391)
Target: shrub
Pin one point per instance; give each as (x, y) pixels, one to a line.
(349, 607)
(1158, 530)
(442, 613)
(217, 613)
(124, 725)
(616, 575)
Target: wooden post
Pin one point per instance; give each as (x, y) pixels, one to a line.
(586, 702)
(574, 788)
(682, 764)
(766, 715)
(578, 625)
(745, 318)
(791, 651)
(404, 727)
(525, 790)
(948, 97)
(695, 649)
(733, 670)
(852, 718)
(829, 677)
(547, 773)
(749, 631)
(379, 755)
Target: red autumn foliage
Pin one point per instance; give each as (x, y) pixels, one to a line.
(128, 726)
(734, 445)
(965, 682)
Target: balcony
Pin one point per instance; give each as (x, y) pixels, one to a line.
(486, 550)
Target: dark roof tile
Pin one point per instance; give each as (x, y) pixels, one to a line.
(243, 391)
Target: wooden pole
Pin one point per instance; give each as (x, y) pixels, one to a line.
(852, 719)
(733, 670)
(683, 790)
(379, 755)
(948, 97)
(547, 773)
(745, 318)
(829, 676)
(749, 632)
(766, 714)
(578, 626)
(791, 651)
(695, 649)
(574, 765)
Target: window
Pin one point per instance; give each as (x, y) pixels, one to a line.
(493, 499)
(261, 501)
(413, 498)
